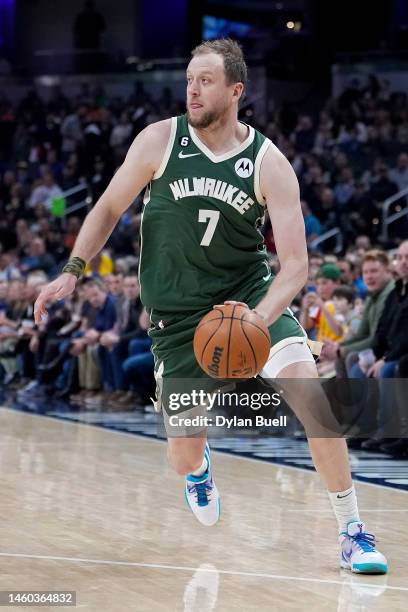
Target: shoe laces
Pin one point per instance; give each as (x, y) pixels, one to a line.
(366, 541)
(202, 491)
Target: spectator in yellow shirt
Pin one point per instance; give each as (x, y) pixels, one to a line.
(318, 312)
(101, 265)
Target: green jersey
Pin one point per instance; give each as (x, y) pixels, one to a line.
(200, 234)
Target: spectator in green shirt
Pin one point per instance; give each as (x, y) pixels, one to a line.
(377, 277)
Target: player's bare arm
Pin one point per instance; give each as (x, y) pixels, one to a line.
(142, 160)
(280, 188)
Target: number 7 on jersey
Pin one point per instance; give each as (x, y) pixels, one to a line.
(212, 217)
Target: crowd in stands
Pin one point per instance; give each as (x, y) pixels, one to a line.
(94, 347)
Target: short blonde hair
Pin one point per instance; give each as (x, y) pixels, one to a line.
(235, 67)
(377, 255)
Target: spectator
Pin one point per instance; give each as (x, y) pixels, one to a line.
(317, 311)
(100, 266)
(138, 368)
(399, 175)
(115, 344)
(362, 245)
(8, 270)
(350, 275)
(120, 137)
(389, 346)
(344, 313)
(72, 131)
(71, 232)
(382, 186)
(313, 226)
(37, 258)
(363, 213)
(327, 208)
(344, 188)
(86, 347)
(377, 278)
(304, 134)
(45, 192)
(391, 337)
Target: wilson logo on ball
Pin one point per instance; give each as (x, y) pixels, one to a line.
(214, 366)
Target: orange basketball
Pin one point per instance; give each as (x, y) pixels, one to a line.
(232, 341)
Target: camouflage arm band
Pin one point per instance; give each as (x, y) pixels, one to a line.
(75, 266)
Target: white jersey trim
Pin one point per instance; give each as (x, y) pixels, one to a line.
(146, 197)
(216, 159)
(257, 171)
(160, 170)
(140, 255)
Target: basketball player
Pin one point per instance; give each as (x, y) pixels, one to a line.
(211, 178)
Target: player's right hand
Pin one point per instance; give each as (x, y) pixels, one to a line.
(59, 288)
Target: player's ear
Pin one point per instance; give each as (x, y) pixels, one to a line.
(238, 91)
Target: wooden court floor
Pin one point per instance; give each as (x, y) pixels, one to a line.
(100, 513)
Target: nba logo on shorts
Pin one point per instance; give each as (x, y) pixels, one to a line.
(244, 167)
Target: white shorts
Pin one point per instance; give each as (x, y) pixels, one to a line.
(285, 353)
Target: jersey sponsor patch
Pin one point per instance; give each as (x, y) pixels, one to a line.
(244, 167)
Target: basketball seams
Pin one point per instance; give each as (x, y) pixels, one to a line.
(220, 319)
(248, 340)
(229, 337)
(227, 318)
(258, 327)
(211, 321)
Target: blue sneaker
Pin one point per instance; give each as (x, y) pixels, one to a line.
(202, 495)
(358, 552)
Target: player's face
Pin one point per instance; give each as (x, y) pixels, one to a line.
(209, 98)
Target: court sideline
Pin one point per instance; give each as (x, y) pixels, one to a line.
(101, 513)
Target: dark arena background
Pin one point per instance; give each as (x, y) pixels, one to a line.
(92, 515)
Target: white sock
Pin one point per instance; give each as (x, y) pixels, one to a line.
(345, 508)
(203, 468)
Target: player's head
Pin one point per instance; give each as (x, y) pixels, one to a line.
(216, 78)
(376, 273)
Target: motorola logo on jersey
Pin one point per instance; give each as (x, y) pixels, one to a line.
(244, 167)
